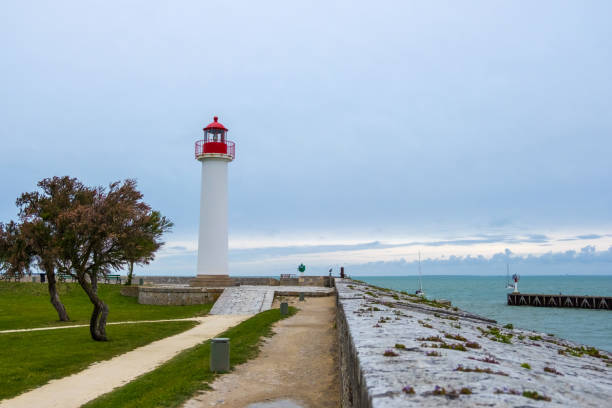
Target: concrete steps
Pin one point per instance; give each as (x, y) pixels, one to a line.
(268, 299)
(212, 281)
(239, 300)
(254, 299)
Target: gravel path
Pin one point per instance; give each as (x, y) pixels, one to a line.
(297, 367)
(100, 378)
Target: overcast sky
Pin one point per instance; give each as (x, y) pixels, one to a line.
(366, 131)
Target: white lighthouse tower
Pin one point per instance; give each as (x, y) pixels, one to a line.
(215, 151)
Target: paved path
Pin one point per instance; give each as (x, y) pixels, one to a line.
(86, 325)
(296, 368)
(100, 378)
(247, 299)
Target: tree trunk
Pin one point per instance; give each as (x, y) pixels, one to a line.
(97, 323)
(55, 299)
(93, 279)
(130, 273)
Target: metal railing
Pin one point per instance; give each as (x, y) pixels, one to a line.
(226, 147)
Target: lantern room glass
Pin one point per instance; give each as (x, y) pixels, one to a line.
(215, 135)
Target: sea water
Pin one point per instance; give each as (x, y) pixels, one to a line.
(486, 296)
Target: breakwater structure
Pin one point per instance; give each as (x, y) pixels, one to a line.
(399, 350)
(573, 301)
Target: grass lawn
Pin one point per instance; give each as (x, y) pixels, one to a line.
(180, 378)
(26, 305)
(31, 359)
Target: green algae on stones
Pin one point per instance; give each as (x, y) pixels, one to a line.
(534, 395)
(493, 333)
(458, 347)
(422, 323)
(479, 370)
(552, 370)
(487, 359)
(455, 337)
(408, 390)
(472, 344)
(534, 338)
(431, 338)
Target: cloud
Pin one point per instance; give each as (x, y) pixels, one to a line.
(586, 261)
(480, 254)
(178, 248)
(586, 236)
(244, 254)
(589, 236)
(587, 254)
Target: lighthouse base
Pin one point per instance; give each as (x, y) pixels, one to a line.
(212, 281)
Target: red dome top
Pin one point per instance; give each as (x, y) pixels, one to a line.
(215, 125)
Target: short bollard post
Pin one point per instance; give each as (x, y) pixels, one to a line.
(141, 281)
(284, 309)
(219, 355)
(301, 296)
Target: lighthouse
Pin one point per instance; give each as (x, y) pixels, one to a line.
(214, 152)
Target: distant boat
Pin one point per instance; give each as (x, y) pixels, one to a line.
(419, 291)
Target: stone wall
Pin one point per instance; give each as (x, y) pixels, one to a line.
(324, 281)
(354, 392)
(164, 280)
(256, 281)
(289, 281)
(241, 280)
(130, 291)
(176, 296)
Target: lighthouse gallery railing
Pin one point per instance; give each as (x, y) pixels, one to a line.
(211, 147)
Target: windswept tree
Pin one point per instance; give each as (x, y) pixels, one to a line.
(83, 232)
(39, 213)
(15, 254)
(96, 238)
(139, 248)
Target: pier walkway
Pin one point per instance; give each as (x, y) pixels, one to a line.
(572, 301)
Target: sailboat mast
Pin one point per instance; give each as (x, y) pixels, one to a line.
(507, 274)
(420, 284)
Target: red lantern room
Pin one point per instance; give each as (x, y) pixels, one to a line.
(215, 143)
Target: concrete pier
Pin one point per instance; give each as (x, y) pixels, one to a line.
(572, 301)
(399, 350)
